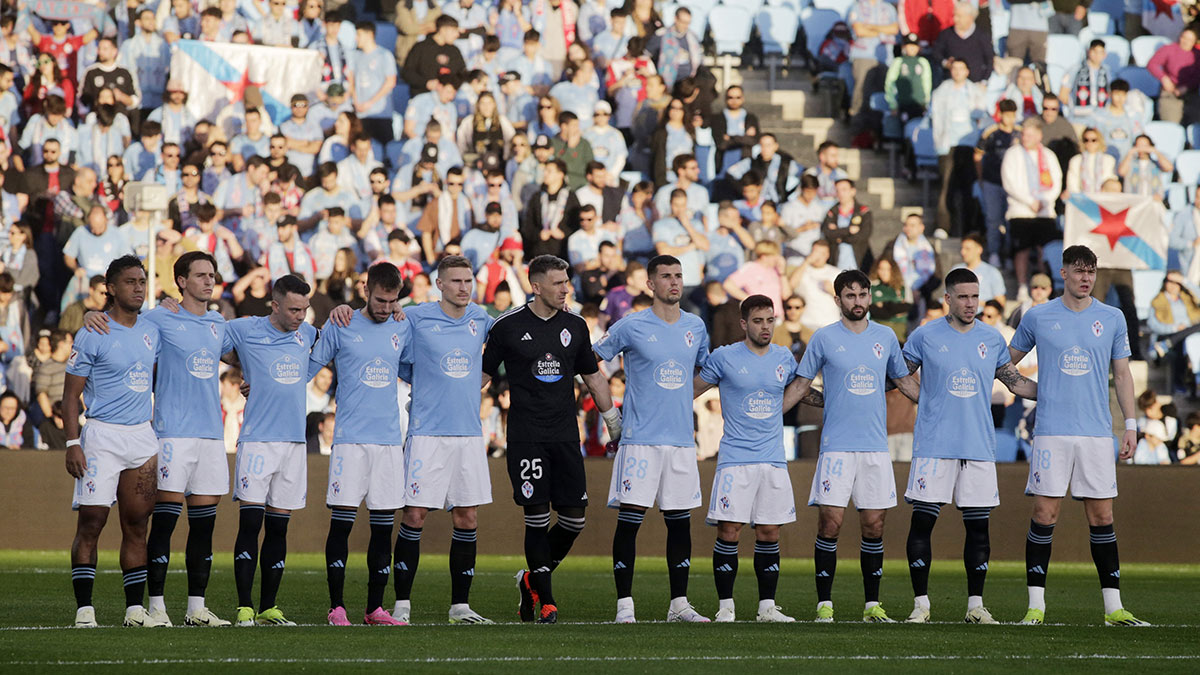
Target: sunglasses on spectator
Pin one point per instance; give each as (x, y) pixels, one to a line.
(190, 174)
(299, 104)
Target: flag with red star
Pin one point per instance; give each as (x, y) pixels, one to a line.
(216, 75)
(1162, 17)
(1125, 231)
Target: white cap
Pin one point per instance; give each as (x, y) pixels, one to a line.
(1156, 429)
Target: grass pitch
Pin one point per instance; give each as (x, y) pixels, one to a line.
(36, 604)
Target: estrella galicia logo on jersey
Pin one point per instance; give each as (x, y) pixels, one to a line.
(1097, 328)
(202, 364)
(689, 339)
(759, 405)
(471, 327)
(137, 378)
(377, 374)
(1075, 362)
(826, 486)
(565, 337)
(548, 368)
(878, 349)
(724, 503)
(456, 364)
(337, 487)
(861, 381)
(670, 374)
(395, 342)
(626, 485)
(780, 372)
(527, 489)
(962, 383)
(286, 369)
(983, 350)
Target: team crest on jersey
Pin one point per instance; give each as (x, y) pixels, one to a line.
(688, 338)
(878, 349)
(395, 342)
(780, 372)
(565, 337)
(299, 338)
(212, 328)
(982, 350)
(626, 485)
(146, 341)
(1097, 328)
(724, 503)
(471, 327)
(527, 489)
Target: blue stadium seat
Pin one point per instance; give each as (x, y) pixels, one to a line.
(1115, 9)
(385, 35)
(1177, 196)
(1193, 136)
(778, 27)
(1064, 50)
(731, 27)
(1143, 48)
(1101, 23)
(1140, 79)
(842, 7)
(926, 158)
(1187, 165)
(1168, 137)
(392, 153)
(751, 6)
(817, 23)
(1146, 285)
(1118, 52)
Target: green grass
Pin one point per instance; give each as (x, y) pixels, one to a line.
(36, 593)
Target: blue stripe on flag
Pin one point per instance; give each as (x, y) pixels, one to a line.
(1143, 251)
(209, 60)
(1089, 208)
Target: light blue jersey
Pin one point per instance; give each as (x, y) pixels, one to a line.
(1075, 350)
(855, 368)
(119, 368)
(443, 361)
(660, 363)
(366, 356)
(187, 391)
(671, 232)
(751, 402)
(954, 420)
(275, 364)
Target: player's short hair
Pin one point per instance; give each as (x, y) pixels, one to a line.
(1079, 256)
(383, 276)
(660, 261)
(958, 276)
(183, 266)
(539, 266)
(289, 283)
(115, 268)
(847, 277)
(453, 261)
(756, 301)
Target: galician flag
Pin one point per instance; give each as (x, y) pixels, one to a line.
(217, 74)
(1125, 231)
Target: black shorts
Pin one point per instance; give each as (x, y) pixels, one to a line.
(547, 473)
(1027, 233)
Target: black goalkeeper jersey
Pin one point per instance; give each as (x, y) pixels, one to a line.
(541, 359)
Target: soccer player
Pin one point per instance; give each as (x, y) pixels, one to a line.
(271, 471)
(751, 485)
(854, 356)
(112, 461)
(367, 459)
(1078, 337)
(954, 446)
(663, 349)
(543, 347)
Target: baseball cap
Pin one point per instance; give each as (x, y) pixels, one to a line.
(912, 39)
(542, 141)
(429, 153)
(1157, 429)
(491, 161)
(510, 76)
(493, 207)
(602, 107)
(335, 89)
(511, 244)
(1040, 281)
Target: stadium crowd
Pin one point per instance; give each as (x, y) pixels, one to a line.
(594, 132)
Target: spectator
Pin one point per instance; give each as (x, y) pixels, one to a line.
(209, 235)
(994, 142)
(779, 171)
(916, 262)
(16, 431)
(991, 282)
(372, 77)
(637, 218)
(49, 80)
(143, 155)
(1088, 170)
(583, 246)
(20, 260)
(551, 215)
(481, 242)
(619, 300)
(487, 130)
(49, 124)
(762, 276)
(1145, 170)
(105, 74)
(1029, 27)
(176, 120)
(1069, 16)
(803, 216)
(827, 172)
(687, 174)
(909, 81)
(49, 376)
(277, 28)
(957, 108)
(445, 218)
(673, 137)
(1174, 324)
(724, 316)
(354, 171)
(678, 49)
(813, 281)
(607, 200)
(148, 56)
(1189, 440)
(735, 130)
(1185, 239)
(182, 23)
(965, 41)
(1058, 134)
(1087, 89)
(875, 27)
(681, 234)
(925, 19)
(1117, 122)
(891, 300)
(90, 249)
(1026, 94)
(288, 255)
(572, 150)
(789, 332)
(1175, 66)
(847, 227)
(1040, 289)
(627, 78)
(1152, 449)
(578, 92)
(95, 301)
(166, 173)
(1033, 181)
(506, 270)
(415, 21)
(435, 104)
(597, 283)
(318, 397)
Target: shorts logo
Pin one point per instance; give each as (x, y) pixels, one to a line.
(527, 489)
(337, 487)
(146, 341)
(471, 327)
(982, 350)
(1037, 478)
(689, 339)
(921, 484)
(1075, 362)
(962, 383)
(212, 328)
(724, 503)
(286, 369)
(395, 342)
(414, 488)
(245, 483)
(565, 337)
(878, 349)
(377, 374)
(826, 486)
(861, 381)
(1097, 328)
(626, 485)
(91, 486)
(548, 368)
(456, 364)
(165, 471)
(670, 375)
(780, 372)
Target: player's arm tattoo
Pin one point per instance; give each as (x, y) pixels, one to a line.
(814, 397)
(1017, 383)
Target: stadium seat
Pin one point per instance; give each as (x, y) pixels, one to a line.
(1193, 136)
(1146, 285)
(1177, 196)
(817, 23)
(1140, 79)
(926, 158)
(1168, 137)
(731, 28)
(777, 26)
(1118, 52)
(1115, 9)
(1143, 48)
(1187, 165)
(1101, 23)
(842, 7)
(385, 35)
(1064, 50)
(1056, 73)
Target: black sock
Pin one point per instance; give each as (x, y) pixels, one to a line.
(462, 565)
(274, 555)
(337, 549)
(919, 548)
(201, 521)
(977, 548)
(1104, 554)
(245, 551)
(408, 556)
(158, 544)
(679, 551)
(537, 551)
(135, 585)
(1037, 553)
(562, 535)
(624, 550)
(825, 559)
(725, 565)
(379, 557)
(83, 577)
(870, 558)
(766, 568)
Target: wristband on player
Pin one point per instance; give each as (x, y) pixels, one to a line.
(1130, 424)
(611, 416)
(73, 441)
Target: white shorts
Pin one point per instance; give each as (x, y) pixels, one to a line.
(441, 472)
(968, 483)
(110, 449)
(366, 471)
(867, 477)
(193, 466)
(274, 473)
(642, 474)
(1087, 463)
(757, 494)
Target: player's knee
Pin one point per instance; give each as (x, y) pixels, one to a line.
(729, 531)
(1099, 512)
(464, 518)
(414, 516)
(90, 525)
(767, 533)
